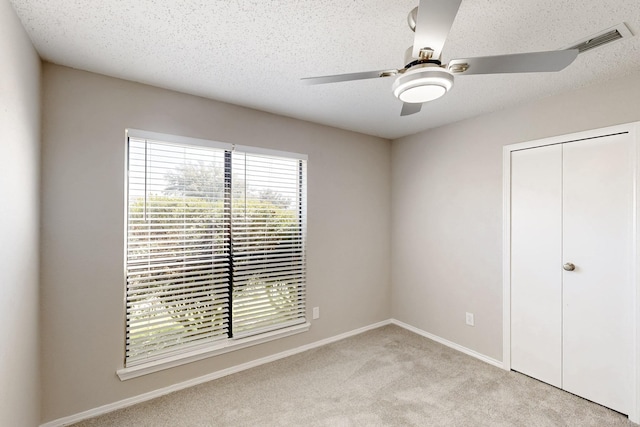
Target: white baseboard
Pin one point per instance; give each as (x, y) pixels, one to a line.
(448, 343)
(101, 410)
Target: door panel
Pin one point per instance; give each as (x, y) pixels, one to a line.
(536, 233)
(598, 295)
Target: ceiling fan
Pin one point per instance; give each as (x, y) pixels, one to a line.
(424, 78)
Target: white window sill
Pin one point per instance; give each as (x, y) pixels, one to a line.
(191, 356)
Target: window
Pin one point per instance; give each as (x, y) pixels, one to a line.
(215, 246)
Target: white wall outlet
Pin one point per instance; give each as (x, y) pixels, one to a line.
(316, 313)
(469, 319)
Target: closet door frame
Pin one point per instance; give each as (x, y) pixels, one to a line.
(633, 129)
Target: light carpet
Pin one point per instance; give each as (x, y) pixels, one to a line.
(385, 377)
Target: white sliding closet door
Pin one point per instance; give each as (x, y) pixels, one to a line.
(536, 249)
(572, 205)
(598, 295)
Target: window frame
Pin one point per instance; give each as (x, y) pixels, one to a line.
(194, 353)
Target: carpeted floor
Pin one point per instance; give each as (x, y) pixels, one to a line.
(385, 377)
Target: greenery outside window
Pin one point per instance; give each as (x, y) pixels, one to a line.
(215, 245)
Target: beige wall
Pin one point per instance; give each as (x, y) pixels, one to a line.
(19, 211)
(447, 209)
(84, 118)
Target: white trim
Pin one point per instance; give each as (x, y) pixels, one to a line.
(632, 129)
(634, 413)
(196, 352)
(270, 152)
(101, 410)
(177, 139)
(200, 142)
(448, 343)
(570, 137)
(506, 259)
(202, 353)
(187, 140)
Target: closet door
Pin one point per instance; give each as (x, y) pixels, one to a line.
(598, 295)
(536, 273)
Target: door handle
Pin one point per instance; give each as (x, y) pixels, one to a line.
(569, 267)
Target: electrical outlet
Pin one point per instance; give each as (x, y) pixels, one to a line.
(469, 319)
(316, 313)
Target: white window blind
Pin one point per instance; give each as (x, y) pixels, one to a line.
(215, 246)
(268, 242)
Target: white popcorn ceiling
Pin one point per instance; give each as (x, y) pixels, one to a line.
(253, 52)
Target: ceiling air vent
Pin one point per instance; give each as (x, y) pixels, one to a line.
(607, 36)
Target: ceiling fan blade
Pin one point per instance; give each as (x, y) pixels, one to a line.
(435, 18)
(533, 62)
(408, 109)
(348, 77)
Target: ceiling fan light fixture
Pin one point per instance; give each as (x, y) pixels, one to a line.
(422, 84)
(423, 93)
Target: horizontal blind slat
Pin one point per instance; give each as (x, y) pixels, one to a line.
(143, 291)
(168, 344)
(175, 306)
(140, 328)
(171, 282)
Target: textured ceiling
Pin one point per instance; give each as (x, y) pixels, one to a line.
(253, 52)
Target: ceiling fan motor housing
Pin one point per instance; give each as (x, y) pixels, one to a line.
(422, 83)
